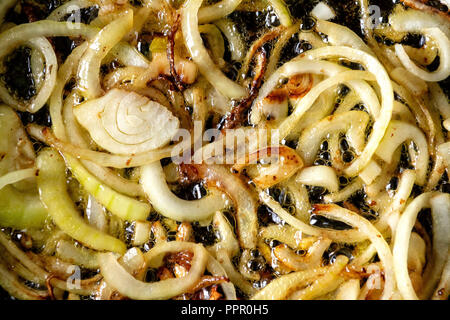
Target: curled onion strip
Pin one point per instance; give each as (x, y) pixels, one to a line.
(235, 41)
(287, 164)
(440, 207)
(169, 205)
(106, 39)
(351, 122)
(323, 176)
(443, 71)
(48, 83)
(363, 225)
(284, 286)
(381, 123)
(101, 158)
(399, 132)
(67, 8)
(16, 176)
(349, 236)
(217, 10)
(117, 277)
(201, 57)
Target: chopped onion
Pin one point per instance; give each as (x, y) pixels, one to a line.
(323, 11)
(141, 235)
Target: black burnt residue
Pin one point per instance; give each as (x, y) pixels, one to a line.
(18, 76)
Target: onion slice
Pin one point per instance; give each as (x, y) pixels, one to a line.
(124, 122)
(117, 277)
(198, 52)
(169, 205)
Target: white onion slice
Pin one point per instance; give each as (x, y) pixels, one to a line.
(322, 176)
(399, 132)
(124, 122)
(351, 122)
(368, 229)
(200, 55)
(117, 277)
(323, 11)
(169, 205)
(440, 210)
(217, 10)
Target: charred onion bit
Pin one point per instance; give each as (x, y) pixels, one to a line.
(288, 162)
(238, 114)
(175, 77)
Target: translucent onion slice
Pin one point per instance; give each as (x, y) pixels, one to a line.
(122, 206)
(282, 287)
(117, 277)
(200, 55)
(217, 10)
(322, 176)
(235, 41)
(16, 176)
(282, 12)
(443, 71)
(106, 39)
(399, 132)
(367, 228)
(339, 35)
(45, 86)
(124, 122)
(246, 207)
(348, 236)
(169, 205)
(431, 26)
(441, 241)
(353, 123)
(53, 191)
(325, 284)
(228, 241)
(373, 66)
(440, 209)
(287, 163)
